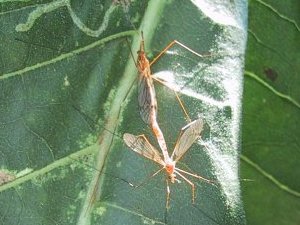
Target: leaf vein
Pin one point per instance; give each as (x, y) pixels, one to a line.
(66, 55)
(134, 213)
(269, 176)
(272, 89)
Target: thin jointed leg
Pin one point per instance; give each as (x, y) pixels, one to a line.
(196, 176)
(178, 99)
(168, 195)
(149, 177)
(163, 52)
(183, 108)
(169, 46)
(190, 183)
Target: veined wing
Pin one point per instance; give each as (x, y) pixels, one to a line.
(141, 145)
(189, 134)
(147, 99)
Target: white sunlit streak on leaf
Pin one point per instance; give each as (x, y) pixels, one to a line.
(168, 79)
(218, 12)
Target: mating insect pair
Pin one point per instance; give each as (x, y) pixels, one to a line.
(148, 111)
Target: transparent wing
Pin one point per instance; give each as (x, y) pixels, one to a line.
(141, 145)
(146, 98)
(189, 134)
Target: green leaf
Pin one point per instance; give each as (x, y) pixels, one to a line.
(271, 114)
(68, 94)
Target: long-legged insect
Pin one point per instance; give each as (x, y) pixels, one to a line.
(146, 92)
(188, 135)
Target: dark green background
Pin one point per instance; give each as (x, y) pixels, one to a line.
(271, 114)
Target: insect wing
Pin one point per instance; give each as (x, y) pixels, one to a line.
(141, 145)
(146, 99)
(187, 137)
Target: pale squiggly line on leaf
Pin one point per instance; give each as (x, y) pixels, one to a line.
(269, 176)
(46, 8)
(38, 12)
(85, 29)
(67, 55)
(265, 84)
(279, 14)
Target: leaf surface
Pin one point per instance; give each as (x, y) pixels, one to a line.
(68, 94)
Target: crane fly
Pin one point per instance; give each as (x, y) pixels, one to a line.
(188, 135)
(146, 92)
